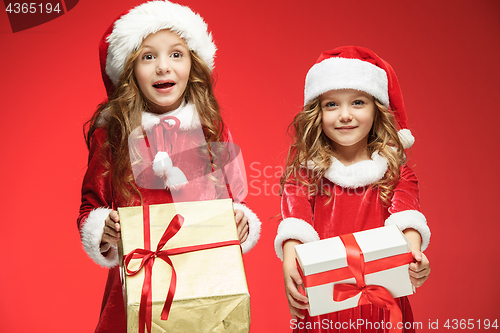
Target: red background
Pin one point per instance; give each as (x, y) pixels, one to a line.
(444, 52)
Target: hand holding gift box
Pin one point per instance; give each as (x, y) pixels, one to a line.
(199, 284)
(343, 272)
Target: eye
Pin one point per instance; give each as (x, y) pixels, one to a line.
(147, 56)
(330, 105)
(358, 102)
(176, 55)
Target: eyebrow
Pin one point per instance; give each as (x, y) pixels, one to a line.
(174, 45)
(180, 44)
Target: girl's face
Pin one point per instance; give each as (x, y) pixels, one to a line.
(347, 117)
(162, 70)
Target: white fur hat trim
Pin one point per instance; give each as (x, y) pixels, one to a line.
(342, 73)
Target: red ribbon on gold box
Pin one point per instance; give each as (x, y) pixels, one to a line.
(199, 284)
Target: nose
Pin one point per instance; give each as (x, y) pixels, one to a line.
(345, 114)
(163, 66)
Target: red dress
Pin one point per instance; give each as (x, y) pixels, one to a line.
(99, 197)
(354, 206)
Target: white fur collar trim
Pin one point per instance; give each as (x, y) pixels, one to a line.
(186, 113)
(359, 174)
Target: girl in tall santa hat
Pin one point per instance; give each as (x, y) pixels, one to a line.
(158, 139)
(346, 172)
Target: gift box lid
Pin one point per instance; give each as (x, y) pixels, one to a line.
(329, 254)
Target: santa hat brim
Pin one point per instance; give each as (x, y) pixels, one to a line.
(344, 73)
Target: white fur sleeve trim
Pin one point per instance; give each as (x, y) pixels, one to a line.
(411, 219)
(91, 234)
(253, 227)
(293, 228)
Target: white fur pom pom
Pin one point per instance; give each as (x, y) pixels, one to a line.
(406, 138)
(161, 164)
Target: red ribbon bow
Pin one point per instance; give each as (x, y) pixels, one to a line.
(163, 128)
(377, 295)
(147, 260)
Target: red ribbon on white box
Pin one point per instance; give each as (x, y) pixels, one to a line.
(357, 268)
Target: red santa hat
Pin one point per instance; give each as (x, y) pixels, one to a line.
(125, 35)
(353, 67)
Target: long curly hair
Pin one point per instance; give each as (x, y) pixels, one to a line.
(311, 147)
(123, 113)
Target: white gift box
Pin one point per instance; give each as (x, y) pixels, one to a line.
(329, 255)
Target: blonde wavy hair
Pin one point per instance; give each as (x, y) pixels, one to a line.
(310, 145)
(123, 113)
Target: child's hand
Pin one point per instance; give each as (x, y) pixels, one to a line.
(420, 269)
(111, 232)
(241, 225)
(296, 301)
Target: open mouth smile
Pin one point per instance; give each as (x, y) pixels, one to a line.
(163, 85)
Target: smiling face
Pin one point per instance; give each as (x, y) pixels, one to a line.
(162, 70)
(347, 118)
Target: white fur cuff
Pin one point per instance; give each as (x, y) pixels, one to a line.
(253, 227)
(91, 234)
(293, 228)
(411, 219)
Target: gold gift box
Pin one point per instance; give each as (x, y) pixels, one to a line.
(211, 293)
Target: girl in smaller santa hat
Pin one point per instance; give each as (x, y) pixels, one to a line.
(159, 138)
(346, 172)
